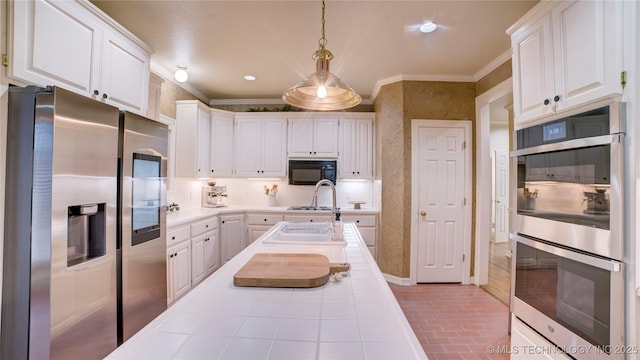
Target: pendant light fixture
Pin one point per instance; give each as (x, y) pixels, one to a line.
(322, 90)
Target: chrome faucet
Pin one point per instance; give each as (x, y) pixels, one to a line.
(314, 200)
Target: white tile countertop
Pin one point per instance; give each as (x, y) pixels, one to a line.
(192, 214)
(355, 317)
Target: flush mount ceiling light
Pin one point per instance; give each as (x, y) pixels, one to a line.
(181, 74)
(322, 90)
(428, 27)
(249, 77)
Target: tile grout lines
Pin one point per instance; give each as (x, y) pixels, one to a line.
(454, 321)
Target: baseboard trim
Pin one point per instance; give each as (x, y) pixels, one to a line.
(398, 280)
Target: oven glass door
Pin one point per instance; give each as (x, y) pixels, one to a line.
(570, 186)
(568, 290)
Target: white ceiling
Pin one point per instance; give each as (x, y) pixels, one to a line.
(221, 41)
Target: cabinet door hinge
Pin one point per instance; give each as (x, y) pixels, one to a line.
(5, 59)
(463, 257)
(464, 145)
(464, 202)
(623, 79)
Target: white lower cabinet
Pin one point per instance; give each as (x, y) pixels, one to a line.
(367, 226)
(193, 253)
(232, 230)
(204, 249)
(258, 224)
(178, 270)
(526, 344)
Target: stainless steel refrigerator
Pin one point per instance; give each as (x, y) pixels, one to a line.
(142, 247)
(61, 295)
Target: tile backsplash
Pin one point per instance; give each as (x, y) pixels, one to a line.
(250, 192)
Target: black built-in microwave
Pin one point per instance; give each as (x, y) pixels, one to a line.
(309, 172)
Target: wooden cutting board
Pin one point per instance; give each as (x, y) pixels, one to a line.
(287, 270)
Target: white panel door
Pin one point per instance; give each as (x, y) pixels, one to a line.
(440, 193)
(501, 193)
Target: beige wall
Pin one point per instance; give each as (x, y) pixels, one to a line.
(395, 106)
(170, 93)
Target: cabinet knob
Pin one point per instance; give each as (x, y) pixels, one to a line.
(358, 221)
(96, 92)
(311, 220)
(546, 101)
(423, 213)
(104, 96)
(265, 219)
(314, 153)
(262, 171)
(358, 172)
(556, 98)
(211, 170)
(353, 172)
(206, 226)
(309, 152)
(223, 221)
(173, 238)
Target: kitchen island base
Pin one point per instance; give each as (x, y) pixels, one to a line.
(353, 317)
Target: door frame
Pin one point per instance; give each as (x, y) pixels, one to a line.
(466, 125)
(483, 179)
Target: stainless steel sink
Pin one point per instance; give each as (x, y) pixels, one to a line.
(310, 208)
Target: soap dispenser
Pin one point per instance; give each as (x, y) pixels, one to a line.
(338, 229)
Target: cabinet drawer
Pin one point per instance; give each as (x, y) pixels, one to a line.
(177, 235)
(203, 226)
(360, 220)
(307, 218)
(263, 219)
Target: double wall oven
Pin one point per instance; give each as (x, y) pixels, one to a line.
(567, 271)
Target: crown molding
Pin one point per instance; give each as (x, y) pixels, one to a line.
(168, 75)
(418, 77)
(501, 59)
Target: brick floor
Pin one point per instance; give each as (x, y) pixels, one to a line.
(455, 321)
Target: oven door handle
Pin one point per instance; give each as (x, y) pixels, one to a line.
(605, 264)
(570, 144)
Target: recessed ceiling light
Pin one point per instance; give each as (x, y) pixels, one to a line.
(428, 27)
(249, 77)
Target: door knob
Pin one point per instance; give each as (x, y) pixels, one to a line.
(423, 213)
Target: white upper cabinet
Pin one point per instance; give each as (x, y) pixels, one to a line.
(193, 127)
(565, 55)
(221, 156)
(355, 160)
(66, 43)
(313, 137)
(260, 149)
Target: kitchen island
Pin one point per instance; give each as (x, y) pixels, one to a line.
(351, 317)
